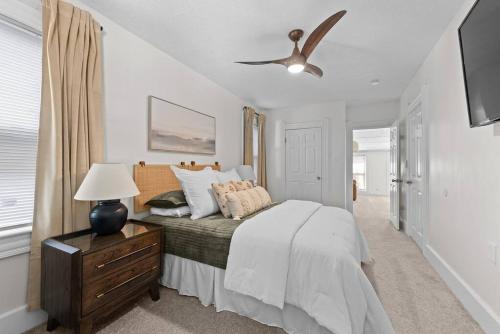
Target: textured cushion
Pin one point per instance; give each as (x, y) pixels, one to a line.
(245, 202)
(197, 186)
(227, 176)
(264, 196)
(173, 212)
(168, 200)
(220, 191)
(242, 185)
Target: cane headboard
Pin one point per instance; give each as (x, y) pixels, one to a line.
(153, 180)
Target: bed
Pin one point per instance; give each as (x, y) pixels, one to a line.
(295, 265)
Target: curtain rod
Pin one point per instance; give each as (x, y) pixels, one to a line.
(256, 113)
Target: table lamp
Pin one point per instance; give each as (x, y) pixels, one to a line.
(107, 184)
(246, 173)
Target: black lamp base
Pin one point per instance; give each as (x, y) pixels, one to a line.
(108, 217)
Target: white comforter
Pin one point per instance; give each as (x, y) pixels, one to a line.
(307, 255)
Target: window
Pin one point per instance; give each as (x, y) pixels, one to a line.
(255, 139)
(359, 171)
(20, 85)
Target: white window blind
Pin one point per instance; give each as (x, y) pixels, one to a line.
(20, 85)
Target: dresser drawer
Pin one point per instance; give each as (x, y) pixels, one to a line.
(98, 264)
(112, 287)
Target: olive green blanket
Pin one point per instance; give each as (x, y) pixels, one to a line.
(206, 240)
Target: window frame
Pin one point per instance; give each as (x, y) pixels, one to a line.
(365, 178)
(16, 239)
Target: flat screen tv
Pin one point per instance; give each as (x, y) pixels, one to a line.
(480, 44)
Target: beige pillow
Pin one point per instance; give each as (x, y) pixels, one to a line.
(264, 196)
(245, 202)
(242, 185)
(220, 192)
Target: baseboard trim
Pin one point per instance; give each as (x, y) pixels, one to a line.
(19, 320)
(473, 303)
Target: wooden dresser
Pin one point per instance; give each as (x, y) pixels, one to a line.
(87, 277)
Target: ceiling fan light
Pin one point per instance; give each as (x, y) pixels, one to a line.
(295, 68)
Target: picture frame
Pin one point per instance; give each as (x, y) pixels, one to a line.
(174, 128)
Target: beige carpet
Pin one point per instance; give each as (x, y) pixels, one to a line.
(414, 296)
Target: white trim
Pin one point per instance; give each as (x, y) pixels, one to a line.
(325, 137)
(20, 320)
(473, 303)
(350, 126)
(15, 241)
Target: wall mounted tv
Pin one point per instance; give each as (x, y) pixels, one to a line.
(480, 44)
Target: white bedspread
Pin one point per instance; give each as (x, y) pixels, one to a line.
(261, 246)
(309, 256)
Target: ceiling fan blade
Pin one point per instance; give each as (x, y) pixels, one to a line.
(314, 70)
(320, 32)
(265, 62)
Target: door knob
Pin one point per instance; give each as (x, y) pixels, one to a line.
(409, 182)
(397, 180)
(318, 177)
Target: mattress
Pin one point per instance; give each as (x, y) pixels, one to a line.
(206, 240)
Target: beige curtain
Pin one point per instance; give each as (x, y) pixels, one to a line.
(248, 118)
(261, 172)
(70, 135)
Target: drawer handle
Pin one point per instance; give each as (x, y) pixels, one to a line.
(102, 294)
(102, 265)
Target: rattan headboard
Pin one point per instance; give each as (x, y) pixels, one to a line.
(153, 180)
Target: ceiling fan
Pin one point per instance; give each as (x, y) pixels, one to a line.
(297, 62)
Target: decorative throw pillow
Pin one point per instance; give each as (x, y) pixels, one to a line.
(227, 176)
(240, 204)
(168, 200)
(220, 192)
(242, 185)
(245, 202)
(257, 200)
(197, 186)
(264, 196)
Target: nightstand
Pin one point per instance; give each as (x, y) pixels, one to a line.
(86, 277)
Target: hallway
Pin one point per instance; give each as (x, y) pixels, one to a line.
(413, 294)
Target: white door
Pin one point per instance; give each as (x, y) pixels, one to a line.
(394, 176)
(303, 164)
(416, 173)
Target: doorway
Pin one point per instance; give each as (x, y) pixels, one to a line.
(371, 170)
(304, 159)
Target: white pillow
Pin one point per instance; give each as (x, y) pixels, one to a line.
(174, 212)
(225, 177)
(197, 187)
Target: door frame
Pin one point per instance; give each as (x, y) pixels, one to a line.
(350, 127)
(325, 158)
(422, 100)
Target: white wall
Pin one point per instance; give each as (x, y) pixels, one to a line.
(134, 69)
(377, 172)
(276, 119)
(464, 179)
(373, 112)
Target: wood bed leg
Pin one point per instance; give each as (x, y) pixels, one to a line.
(85, 327)
(52, 324)
(154, 291)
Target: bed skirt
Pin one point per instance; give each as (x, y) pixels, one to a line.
(191, 278)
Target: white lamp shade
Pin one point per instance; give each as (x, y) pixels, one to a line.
(106, 182)
(246, 172)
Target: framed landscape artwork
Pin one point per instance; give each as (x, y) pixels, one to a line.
(175, 128)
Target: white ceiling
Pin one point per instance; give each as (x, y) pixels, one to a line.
(372, 139)
(383, 39)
